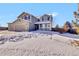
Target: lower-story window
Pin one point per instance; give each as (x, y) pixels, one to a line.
(40, 25)
(48, 25)
(45, 25)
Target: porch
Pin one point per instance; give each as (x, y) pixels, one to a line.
(45, 26)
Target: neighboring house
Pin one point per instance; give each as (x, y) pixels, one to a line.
(3, 28)
(28, 22)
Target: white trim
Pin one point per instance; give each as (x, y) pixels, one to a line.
(42, 22)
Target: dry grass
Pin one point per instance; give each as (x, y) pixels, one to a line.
(7, 32)
(75, 43)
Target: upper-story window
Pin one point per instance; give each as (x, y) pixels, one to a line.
(48, 18)
(38, 20)
(42, 19)
(26, 17)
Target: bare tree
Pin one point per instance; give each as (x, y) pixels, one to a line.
(57, 26)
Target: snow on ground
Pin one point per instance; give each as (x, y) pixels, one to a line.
(37, 43)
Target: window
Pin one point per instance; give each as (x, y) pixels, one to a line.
(42, 19)
(48, 18)
(38, 20)
(48, 25)
(26, 17)
(40, 25)
(45, 25)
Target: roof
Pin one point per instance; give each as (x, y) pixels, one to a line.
(23, 13)
(26, 14)
(46, 15)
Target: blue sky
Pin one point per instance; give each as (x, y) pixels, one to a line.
(62, 12)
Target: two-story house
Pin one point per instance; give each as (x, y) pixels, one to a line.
(28, 22)
(44, 22)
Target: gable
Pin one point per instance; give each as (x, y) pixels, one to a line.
(46, 17)
(23, 14)
(23, 17)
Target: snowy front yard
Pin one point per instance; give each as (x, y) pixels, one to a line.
(17, 36)
(37, 43)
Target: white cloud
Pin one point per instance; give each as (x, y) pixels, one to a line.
(54, 14)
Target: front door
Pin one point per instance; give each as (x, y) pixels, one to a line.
(36, 26)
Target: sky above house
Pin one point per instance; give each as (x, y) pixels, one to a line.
(61, 12)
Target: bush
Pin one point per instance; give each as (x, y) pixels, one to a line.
(72, 31)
